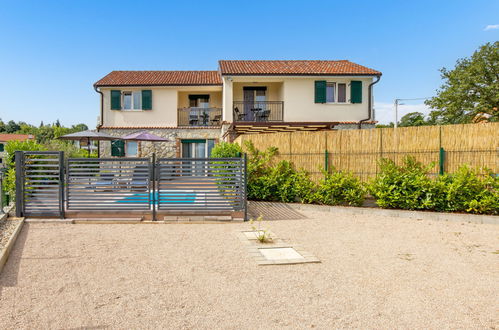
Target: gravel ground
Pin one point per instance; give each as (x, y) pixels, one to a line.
(375, 273)
(7, 228)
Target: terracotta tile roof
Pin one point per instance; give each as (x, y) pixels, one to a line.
(15, 137)
(160, 78)
(159, 127)
(307, 68)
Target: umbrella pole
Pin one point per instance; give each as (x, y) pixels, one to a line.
(88, 147)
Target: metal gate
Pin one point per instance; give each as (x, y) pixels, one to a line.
(107, 184)
(39, 183)
(48, 186)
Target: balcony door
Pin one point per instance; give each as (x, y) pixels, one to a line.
(254, 101)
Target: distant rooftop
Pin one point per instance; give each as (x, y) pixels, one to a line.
(5, 137)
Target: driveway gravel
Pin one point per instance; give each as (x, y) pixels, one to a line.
(376, 272)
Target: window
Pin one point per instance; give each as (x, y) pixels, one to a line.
(330, 92)
(197, 148)
(336, 92)
(132, 149)
(1, 147)
(342, 93)
(132, 100)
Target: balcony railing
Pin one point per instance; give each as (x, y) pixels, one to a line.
(199, 117)
(258, 111)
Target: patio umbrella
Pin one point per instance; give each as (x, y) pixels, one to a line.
(88, 136)
(144, 136)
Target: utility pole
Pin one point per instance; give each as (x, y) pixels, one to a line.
(397, 103)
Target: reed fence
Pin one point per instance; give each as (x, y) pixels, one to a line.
(358, 151)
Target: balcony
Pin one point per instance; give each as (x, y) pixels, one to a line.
(199, 117)
(258, 111)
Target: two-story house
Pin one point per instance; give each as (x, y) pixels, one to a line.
(194, 109)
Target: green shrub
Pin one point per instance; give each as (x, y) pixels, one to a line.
(467, 190)
(405, 187)
(12, 146)
(339, 188)
(226, 150)
(280, 182)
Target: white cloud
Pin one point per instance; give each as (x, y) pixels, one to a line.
(385, 112)
(491, 27)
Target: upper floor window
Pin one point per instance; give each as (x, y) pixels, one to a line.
(131, 100)
(336, 92)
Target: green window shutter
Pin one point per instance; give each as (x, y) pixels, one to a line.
(115, 100)
(1, 147)
(320, 91)
(118, 148)
(147, 99)
(356, 91)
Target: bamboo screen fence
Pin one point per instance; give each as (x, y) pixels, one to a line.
(358, 151)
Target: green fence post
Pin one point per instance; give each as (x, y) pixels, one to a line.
(326, 161)
(441, 161)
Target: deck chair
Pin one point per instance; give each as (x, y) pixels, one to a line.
(104, 182)
(239, 115)
(216, 120)
(139, 180)
(193, 119)
(263, 115)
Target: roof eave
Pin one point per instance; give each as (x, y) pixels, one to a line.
(301, 74)
(153, 85)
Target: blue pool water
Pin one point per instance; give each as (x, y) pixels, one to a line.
(166, 197)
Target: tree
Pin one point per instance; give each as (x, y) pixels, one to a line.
(413, 119)
(12, 127)
(2, 126)
(470, 89)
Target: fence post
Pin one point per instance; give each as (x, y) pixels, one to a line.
(1, 191)
(19, 183)
(153, 179)
(441, 161)
(61, 184)
(245, 193)
(326, 161)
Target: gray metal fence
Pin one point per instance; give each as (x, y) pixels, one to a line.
(48, 186)
(201, 183)
(39, 183)
(106, 184)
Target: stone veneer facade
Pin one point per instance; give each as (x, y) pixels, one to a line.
(168, 149)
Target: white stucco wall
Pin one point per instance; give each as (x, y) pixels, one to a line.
(300, 106)
(298, 94)
(165, 102)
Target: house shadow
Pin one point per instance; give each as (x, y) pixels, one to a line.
(10, 272)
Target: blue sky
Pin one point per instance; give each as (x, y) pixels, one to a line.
(53, 51)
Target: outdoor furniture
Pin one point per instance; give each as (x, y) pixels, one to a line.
(216, 120)
(193, 119)
(105, 182)
(88, 136)
(239, 115)
(262, 115)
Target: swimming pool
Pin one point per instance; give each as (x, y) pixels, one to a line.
(165, 196)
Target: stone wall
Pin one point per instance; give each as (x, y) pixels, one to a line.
(162, 149)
